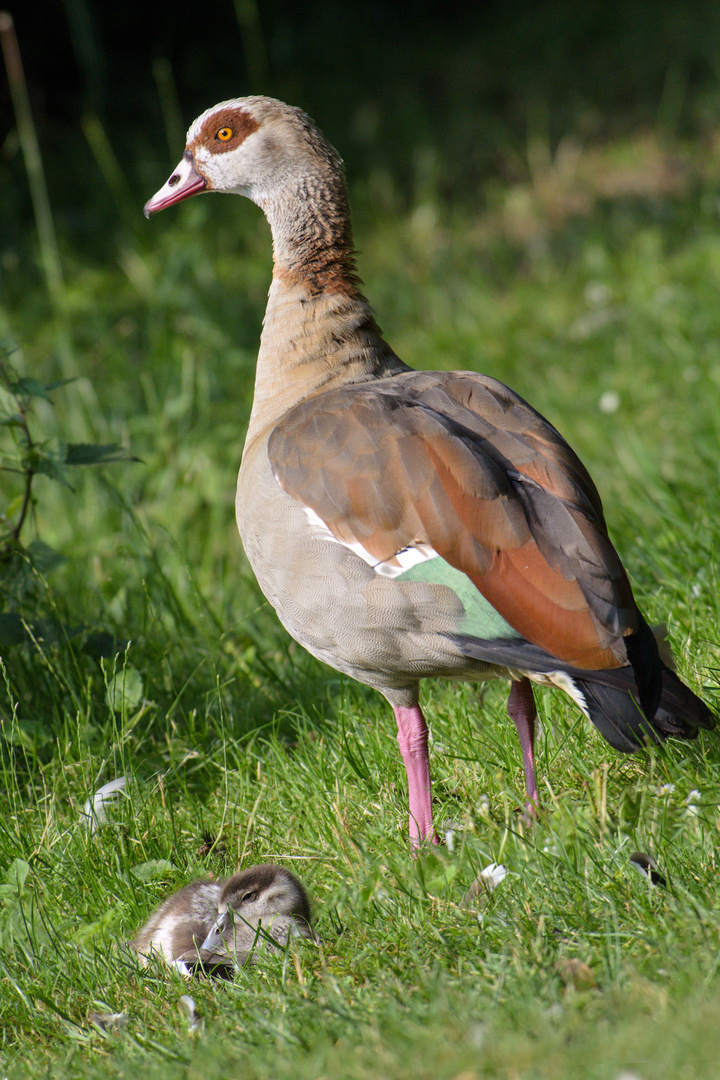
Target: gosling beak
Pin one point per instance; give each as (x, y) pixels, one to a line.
(216, 937)
(183, 183)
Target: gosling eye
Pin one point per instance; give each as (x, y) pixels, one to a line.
(249, 897)
(224, 134)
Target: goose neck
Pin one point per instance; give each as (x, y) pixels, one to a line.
(313, 342)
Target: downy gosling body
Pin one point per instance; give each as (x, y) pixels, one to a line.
(218, 925)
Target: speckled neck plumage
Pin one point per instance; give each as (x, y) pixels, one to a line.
(313, 341)
(319, 331)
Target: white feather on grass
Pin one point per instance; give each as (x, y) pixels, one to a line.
(188, 1004)
(94, 813)
(485, 883)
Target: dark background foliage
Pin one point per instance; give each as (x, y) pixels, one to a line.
(383, 79)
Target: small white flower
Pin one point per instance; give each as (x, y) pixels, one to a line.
(667, 789)
(692, 802)
(609, 402)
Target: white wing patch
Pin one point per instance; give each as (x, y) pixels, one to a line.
(393, 567)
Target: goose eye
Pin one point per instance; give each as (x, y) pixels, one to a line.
(225, 134)
(249, 897)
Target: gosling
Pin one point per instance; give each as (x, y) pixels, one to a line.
(216, 926)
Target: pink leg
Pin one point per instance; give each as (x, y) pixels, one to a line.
(521, 709)
(413, 742)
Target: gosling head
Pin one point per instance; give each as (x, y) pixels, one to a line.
(265, 896)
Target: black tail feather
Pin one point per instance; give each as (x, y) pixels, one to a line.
(612, 706)
(642, 652)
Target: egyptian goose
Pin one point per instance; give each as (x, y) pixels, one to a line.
(218, 925)
(407, 524)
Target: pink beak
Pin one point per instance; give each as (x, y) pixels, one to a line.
(183, 183)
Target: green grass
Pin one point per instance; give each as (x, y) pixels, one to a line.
(608, 322)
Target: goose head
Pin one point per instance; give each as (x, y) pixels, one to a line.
(274, 155)
(254, 146)
(266, 897)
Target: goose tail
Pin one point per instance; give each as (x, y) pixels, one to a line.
(608, 698)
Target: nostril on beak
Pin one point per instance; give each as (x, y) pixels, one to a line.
(174, 179)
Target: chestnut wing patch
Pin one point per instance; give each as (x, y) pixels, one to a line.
(458, 465)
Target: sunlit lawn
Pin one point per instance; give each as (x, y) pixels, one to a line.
(150, 653)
